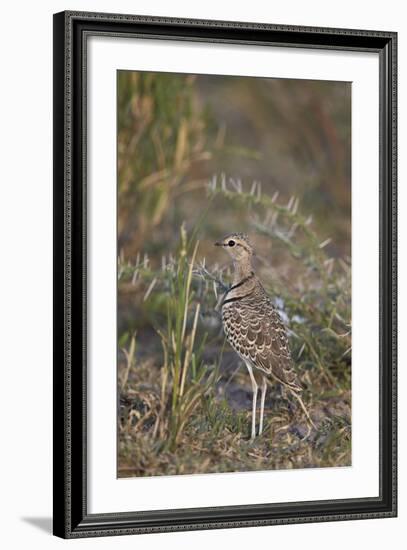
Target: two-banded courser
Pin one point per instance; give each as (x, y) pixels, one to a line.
(254, 328)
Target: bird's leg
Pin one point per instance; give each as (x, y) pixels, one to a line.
(254, 403)
(263, 397)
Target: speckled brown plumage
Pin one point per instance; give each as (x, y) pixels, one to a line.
(254, 329)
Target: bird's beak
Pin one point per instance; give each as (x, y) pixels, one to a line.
(218, 243)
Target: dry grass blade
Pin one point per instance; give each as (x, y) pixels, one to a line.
(130, 361)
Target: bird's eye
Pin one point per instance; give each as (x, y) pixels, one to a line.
(231, 243)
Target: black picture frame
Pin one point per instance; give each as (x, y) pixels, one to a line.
(71, 518)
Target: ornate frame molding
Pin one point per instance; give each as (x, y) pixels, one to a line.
(71, 30)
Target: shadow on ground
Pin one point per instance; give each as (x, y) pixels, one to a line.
(42, 523)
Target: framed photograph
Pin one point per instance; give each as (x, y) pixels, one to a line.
(224, 274)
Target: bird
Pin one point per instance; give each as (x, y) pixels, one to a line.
(254, 329)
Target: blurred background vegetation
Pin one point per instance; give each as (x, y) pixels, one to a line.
(199, 157)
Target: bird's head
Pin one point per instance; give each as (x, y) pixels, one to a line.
(238, 246)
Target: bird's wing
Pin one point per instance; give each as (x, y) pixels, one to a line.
(264, 341)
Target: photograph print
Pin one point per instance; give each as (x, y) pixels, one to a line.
(234, 274)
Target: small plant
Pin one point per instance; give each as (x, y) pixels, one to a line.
(185, 379)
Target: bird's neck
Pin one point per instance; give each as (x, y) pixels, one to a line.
(242, 270)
